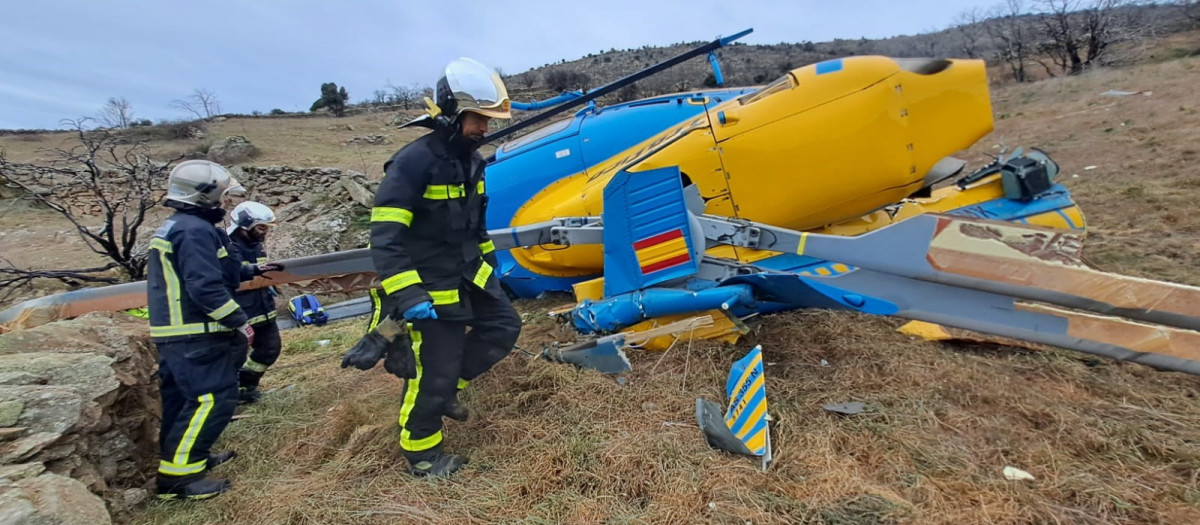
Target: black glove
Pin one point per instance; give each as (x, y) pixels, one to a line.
(400, 360)
(367, 352)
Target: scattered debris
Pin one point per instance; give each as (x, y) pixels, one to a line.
(1016, 474)
(824, 363)
(1088, 168)
(848, 409)
(1121, 93)
(743, 428)
(607, 355)
(603, 355)
(323, 342)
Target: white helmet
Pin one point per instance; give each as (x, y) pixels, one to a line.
(200, 182)
(250, 214)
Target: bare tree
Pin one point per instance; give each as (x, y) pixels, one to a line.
(202, 103)
(1007, 27)
(379, 97)
(409, 96)
(13, 279)
(969, 27)
(1078, 36)
(117, 178)
(117, 113)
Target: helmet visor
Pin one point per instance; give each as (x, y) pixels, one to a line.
(478, 88)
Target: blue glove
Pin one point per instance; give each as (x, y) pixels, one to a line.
(420, 311)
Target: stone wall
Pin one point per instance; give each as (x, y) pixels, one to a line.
(280, 185)
(271, 185)
(79, 417)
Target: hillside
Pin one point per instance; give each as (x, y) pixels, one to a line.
(751, 64)
(1107, 442)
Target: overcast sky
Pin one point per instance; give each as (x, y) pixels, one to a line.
(65, 58)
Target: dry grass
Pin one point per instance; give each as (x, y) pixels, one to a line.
(1109, 443)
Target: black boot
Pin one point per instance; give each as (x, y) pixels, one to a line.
(248, 386)
(455, 410)
(195, 488)
(434, 463)
(248, 395)
(217, 458)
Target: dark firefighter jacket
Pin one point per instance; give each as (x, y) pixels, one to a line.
(428, 236)
(191, 279)
(258, 304)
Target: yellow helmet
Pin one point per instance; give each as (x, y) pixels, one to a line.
(468, 85)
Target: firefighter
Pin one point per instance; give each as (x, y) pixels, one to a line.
(197, 327)
(430, 249)
(249, 224)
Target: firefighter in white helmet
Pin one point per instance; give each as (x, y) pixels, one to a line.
(198, 328)
(249, 224)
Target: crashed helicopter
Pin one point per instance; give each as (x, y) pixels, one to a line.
(830, 187)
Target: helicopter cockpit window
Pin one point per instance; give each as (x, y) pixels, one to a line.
(784, 83)
(537, 134)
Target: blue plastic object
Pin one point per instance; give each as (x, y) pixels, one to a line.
(618, 312)
(307, 310)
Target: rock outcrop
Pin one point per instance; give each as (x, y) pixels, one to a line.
(79, 417)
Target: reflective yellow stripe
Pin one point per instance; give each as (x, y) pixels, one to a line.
(255, 366)
(171, 469)
(193, 432)
(481, 276)
(376, 306)
(442, 192)
(462, 383)
(162, 245)
(444, 296)
(262, 260)
(262, 318)
(143, 313)
(401, 281)
(385, 214)
(222, 253)
(187, 329)
(417, 445)
(224, 310)
(479, 187)
(174, 309)
(411, 389)
(487, 247)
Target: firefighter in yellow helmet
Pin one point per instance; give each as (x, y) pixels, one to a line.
(430, 248)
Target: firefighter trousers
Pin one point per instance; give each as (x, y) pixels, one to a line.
(198, 384)
(263, 353)
(447, 357)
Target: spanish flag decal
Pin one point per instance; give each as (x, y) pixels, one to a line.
(662, 251)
